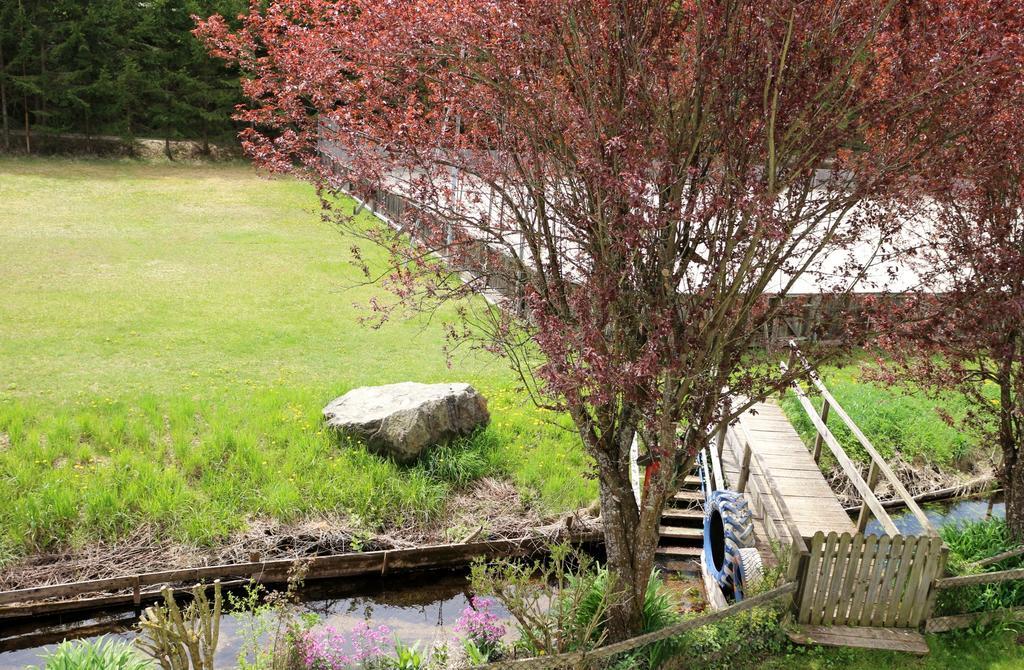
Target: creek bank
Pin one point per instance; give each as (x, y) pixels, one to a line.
(488, 510)
(926, 481)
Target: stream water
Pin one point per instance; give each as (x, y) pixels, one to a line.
(942, 514)
(420, 607)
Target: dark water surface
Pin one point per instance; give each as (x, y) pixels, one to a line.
(942, 514)
(420, 607)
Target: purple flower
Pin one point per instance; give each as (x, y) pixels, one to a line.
(480, 624)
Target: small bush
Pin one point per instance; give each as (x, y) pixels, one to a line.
(972, 542)
(660, 610)
(546, 599)
(561, 605)
(101, 654)
(738, 641)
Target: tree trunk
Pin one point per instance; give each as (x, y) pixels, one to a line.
(1013, 491)
(629, 540)
(28, 129)
(1012, 475)
(630, 554)
(3, 101)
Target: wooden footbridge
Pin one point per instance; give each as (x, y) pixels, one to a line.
(853, 589)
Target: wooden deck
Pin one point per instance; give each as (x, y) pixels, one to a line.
(890, 639)
(777, 445)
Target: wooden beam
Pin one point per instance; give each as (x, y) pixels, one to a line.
(716, 469)
(320, 567)
(889, 639)
(863, 516)
(941, 624)
(825, 407)
(983, 578)
(961, 491)
(887, 472)
(741, 485)
(1000, 557)
(846, 464)
(579, 659)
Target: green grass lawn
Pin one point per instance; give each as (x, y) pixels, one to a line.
(898, 423)
(168, 336)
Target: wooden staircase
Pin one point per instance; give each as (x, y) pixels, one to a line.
(682, 529)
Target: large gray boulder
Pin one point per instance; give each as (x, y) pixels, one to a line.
(401, 420)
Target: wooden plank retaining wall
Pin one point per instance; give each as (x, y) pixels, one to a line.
(69, 597)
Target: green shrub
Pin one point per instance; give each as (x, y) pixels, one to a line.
(407, 657)
(561, 605)
(101, 654)
(739, 641)
(660, 610)
(546, 599)
(972, 542)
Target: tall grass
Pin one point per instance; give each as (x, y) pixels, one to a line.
(972, 542)
(898, 423)
(196, 470)
(99, 654)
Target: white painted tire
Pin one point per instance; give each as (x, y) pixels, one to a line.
(750, 572)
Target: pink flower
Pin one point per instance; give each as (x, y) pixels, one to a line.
(325, 648)
(480, 624)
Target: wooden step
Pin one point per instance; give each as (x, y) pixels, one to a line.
(688, 496)
(681, 533)
(676, 514)
(678, 552)
(691, 480)
(863, 637)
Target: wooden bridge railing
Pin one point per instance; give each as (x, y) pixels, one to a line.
(799, 552)
(878, 468)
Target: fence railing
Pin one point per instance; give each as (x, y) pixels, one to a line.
(799, 552)
(954, 621)
(878, 468)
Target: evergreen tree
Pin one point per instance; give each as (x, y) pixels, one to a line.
(112, 67)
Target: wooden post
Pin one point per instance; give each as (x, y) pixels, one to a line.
(862, 518)
(741, 485)
(797, 570)
(789, 366)
(818, 439)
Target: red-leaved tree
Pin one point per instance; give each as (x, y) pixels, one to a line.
(964, 331)
(636, 175)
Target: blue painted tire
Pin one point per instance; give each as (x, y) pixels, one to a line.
(728, 528)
